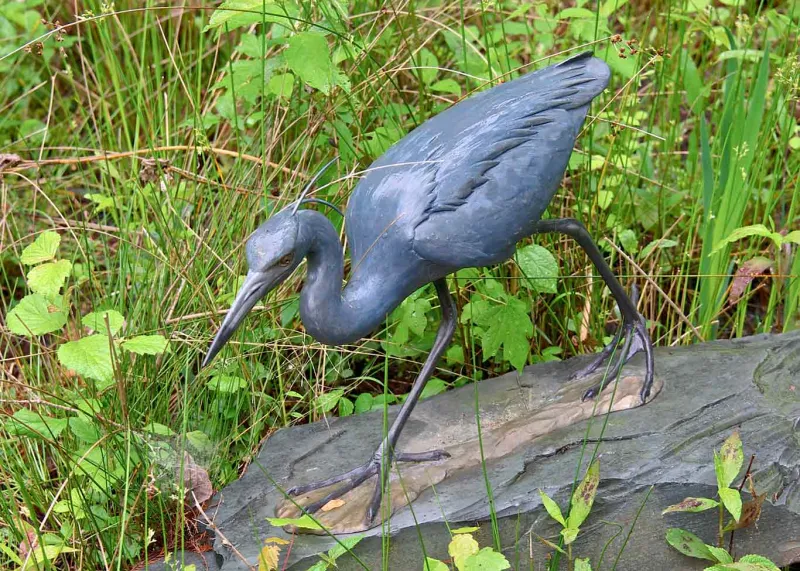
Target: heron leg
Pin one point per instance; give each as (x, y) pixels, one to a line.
(382, 458)
(633, 327)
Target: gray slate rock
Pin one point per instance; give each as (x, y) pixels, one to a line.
(650, 457)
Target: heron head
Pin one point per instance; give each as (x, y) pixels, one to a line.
(272, 256)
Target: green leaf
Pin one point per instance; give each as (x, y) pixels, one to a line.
(462, 547)
(84, 429)
(160, 429)
(744, 232)
(720, 554)
(509, 327)
(692, 505)
(732, 501)
(583, 497)
(200, 440)
(326, 401)
(90, 357)
(30, 424)
(688, 544)
(96, 321)
(660, 244)
(582, 564)
(793, 236)
(226, 384)
(569, 534)
(487, 559)
(309, 58)
(363, 403)
(36, 315)
(434, 565)
(345, 545)
(759, 560)
(304, 522)
(433, 387)
(346, 407)
(540, 268)
(44, 248)
(233, 14)
(429, 63)
(728, 462)
(281, 85)
(470, 529)
(447, 86)
(146, 344)
(552, 508)
(48, 279)
(628, 240)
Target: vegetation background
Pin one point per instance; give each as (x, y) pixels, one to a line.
(141, 142)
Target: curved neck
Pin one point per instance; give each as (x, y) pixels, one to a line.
(331, 315)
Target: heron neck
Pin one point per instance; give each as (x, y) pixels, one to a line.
(330, 314)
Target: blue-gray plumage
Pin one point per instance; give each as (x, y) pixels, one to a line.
(459, 191)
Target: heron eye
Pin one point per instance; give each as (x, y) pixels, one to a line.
(285, 261)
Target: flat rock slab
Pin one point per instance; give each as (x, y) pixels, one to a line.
(533, 430)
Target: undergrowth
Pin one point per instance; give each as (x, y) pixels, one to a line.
(147, 141)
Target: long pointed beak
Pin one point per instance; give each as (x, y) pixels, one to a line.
(255, 286)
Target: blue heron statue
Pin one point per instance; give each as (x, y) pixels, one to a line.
(459, 191)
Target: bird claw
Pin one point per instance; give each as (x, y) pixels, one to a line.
(359, 475)
(636, 339)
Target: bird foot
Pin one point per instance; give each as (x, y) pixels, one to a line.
(310, 502)
(636, 339)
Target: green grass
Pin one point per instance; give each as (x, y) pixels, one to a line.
(695, 137)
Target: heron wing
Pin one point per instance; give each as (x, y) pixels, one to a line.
(496, 176)
(467, 182)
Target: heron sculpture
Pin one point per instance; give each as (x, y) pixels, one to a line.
(459, 191)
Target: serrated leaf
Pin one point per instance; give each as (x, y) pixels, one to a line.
(309, 58)
(692, 505)
(759, 560)
(90, 357)
(226, 384)
(145, 344)
(96, 321)
(582, 564)
(268, 558)
(44, 248)
(487, 559)
(30, 424)
(732, 501)
(509, 327)
(48, 279)
(688, 544)
(434, 565)
(552, 508)
(583, 497)
(540, 268)
(720, 554)
(304, 522)
(36, 315)
(461, 547)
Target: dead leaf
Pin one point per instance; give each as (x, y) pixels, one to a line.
(750, 269)
(28, 544)
(332, 505)
(196, 480)
(8, 161)
(751, 510)
(268, 558)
